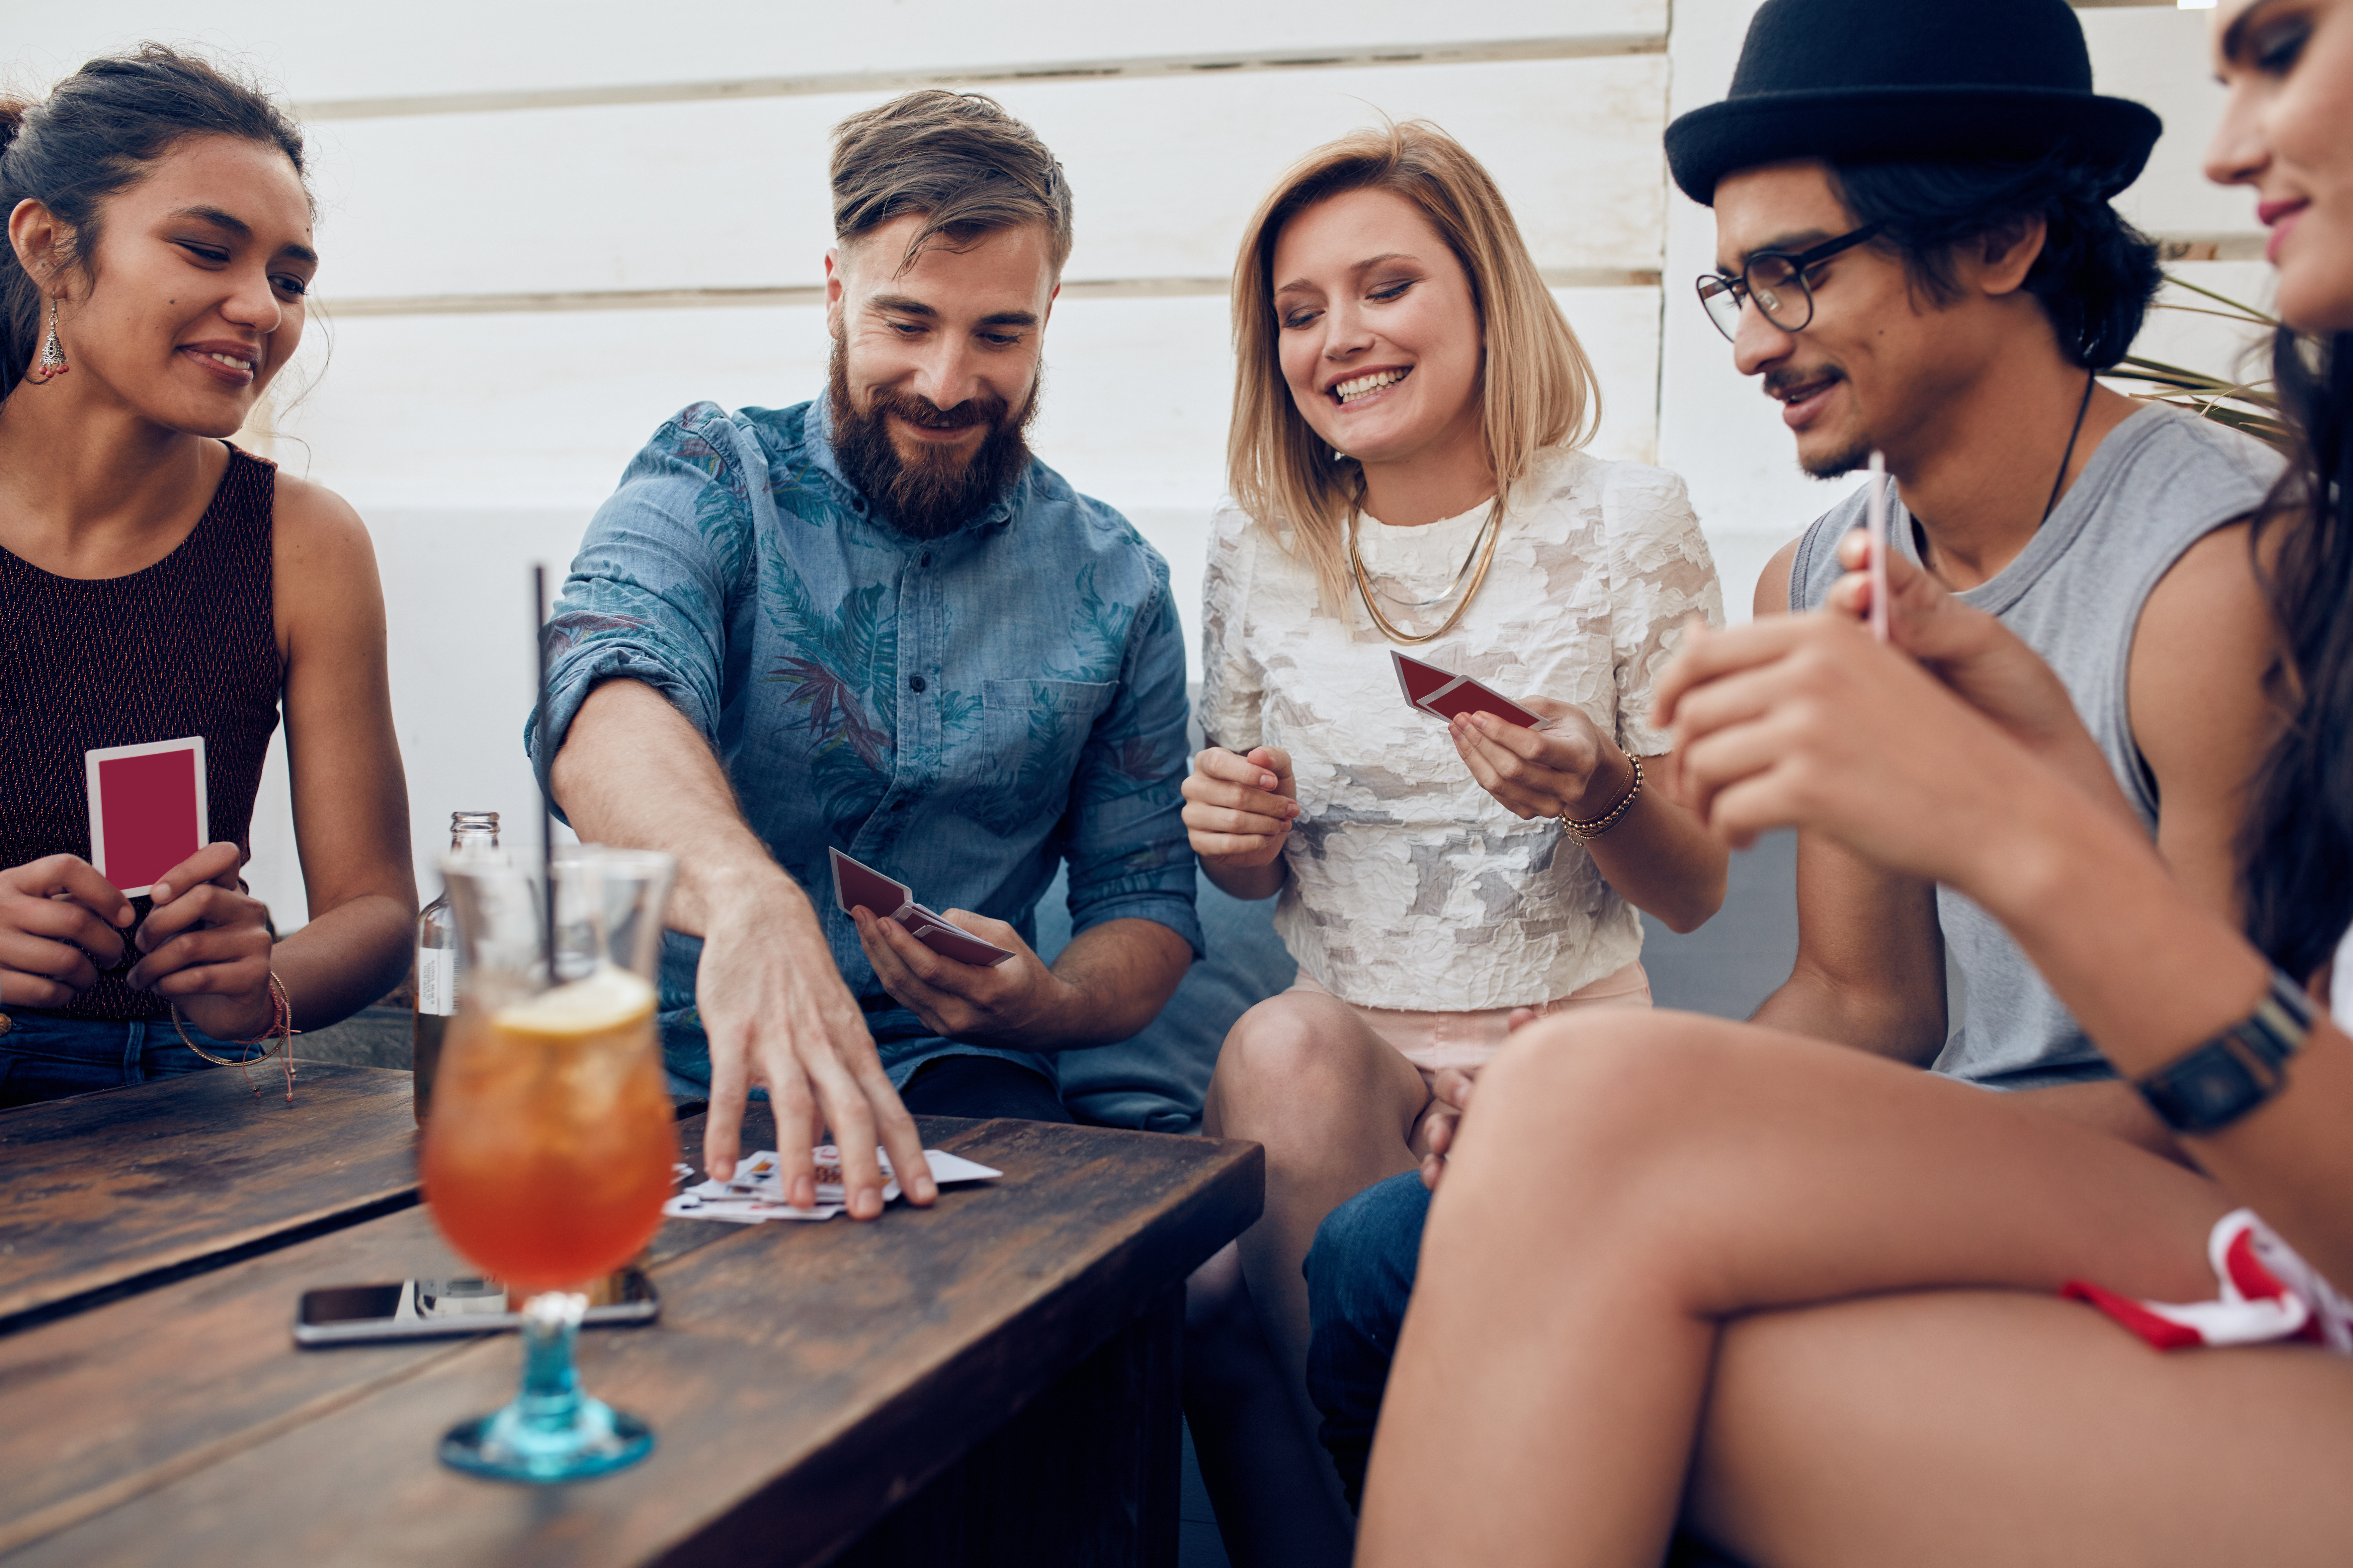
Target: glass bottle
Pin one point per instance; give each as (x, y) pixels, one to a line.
(437, 958)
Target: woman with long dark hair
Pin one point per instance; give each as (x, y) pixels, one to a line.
(1817, 1306)
(166, 596)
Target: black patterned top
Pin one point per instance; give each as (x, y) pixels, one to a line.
(187, 647)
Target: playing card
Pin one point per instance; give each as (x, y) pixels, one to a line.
(147, 809)
(1420, 680)
(755, 1192)
(855, 883)
(742, 1211)
(1468, 696)
(950, 942)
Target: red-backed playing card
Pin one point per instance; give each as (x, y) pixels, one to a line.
(1467, 695)
(855, 883)
(147, 809)
(1445, 693)
(934, 933)
(1421, 681)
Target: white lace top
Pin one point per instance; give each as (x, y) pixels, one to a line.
(1409, 885)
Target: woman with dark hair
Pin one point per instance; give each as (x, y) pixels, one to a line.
(1815, 1305)
(167, 592)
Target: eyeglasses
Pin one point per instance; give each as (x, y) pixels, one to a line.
(1776, 280)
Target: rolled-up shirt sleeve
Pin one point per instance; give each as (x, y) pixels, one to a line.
(1124, 836)
(648, 595)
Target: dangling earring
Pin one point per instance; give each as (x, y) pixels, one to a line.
(53, 353)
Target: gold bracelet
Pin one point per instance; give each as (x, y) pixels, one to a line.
(1585, 831)
(282, 1030)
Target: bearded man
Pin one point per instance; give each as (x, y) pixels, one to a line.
(874, 622)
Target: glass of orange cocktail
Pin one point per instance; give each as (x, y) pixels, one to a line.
(549, 1154)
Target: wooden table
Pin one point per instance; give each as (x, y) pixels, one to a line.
(991, 1380)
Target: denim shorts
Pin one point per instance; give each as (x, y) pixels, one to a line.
(43, 1058)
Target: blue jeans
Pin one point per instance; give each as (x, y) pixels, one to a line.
(1359, 1276)
(42, 1058)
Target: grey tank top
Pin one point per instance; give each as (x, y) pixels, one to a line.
(2161, 481)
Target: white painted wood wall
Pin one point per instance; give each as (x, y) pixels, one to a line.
(545, 227)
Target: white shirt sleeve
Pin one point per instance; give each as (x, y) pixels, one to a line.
(1233, 685)
(1661, 575)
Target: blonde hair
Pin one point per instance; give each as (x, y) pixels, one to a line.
(1537, 388)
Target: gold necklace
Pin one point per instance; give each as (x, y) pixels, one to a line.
(1494, 532)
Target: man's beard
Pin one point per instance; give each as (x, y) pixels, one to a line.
(1847, 460)
(942, 489)
(1830, 464)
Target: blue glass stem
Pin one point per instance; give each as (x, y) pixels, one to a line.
(551, 1432)
(550, 1400)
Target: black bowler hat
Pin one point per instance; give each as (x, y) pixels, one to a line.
(1862, 81)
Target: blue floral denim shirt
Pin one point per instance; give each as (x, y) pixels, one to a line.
(962, 713)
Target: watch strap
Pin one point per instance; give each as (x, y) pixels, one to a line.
(2210, 1086)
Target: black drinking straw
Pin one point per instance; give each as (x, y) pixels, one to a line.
(546, 810)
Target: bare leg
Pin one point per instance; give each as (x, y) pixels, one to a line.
(1625, 1182)
(1333, 1103)
(1966, 1428)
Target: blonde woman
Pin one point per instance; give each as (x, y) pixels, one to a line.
(1406, 459)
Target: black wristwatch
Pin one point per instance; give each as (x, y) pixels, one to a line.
(2210, 1086)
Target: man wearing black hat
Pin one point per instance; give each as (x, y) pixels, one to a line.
(1916, 255)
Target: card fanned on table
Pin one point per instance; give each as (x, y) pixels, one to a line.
(1442, 693)
(855, 883)
(756, 1194)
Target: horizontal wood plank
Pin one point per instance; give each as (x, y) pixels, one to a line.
(803, 1380)
(446, 46)
(1165, 173)
(113, 1191)
(167, 1381)
(1138, 396)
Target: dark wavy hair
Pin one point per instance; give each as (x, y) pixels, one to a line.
(2297, 846)
(2097, 274)
(96, 135)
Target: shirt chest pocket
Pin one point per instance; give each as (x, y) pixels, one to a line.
(1019, 765)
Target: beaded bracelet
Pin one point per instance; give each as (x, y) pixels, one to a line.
(281, 1029)
(1584, 831)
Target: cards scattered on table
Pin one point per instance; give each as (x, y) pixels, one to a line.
(855, 883)
(755, 1192)
(1443, 694)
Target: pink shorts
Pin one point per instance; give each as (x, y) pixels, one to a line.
(1434, 1041)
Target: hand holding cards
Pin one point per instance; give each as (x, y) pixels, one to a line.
(1443, 694)
(855, 883)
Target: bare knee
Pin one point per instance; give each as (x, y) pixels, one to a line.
(1618, 1088)
(1293, 1052)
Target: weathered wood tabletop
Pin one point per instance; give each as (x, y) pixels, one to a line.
(997, 1373)
(108, 1193)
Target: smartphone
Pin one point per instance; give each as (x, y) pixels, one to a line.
(440, 1309)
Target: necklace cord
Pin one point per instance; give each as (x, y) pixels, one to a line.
(2058, 481)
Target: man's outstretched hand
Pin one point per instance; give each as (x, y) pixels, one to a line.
(779, 1017)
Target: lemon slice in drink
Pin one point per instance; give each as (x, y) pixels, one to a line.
(608, 999)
